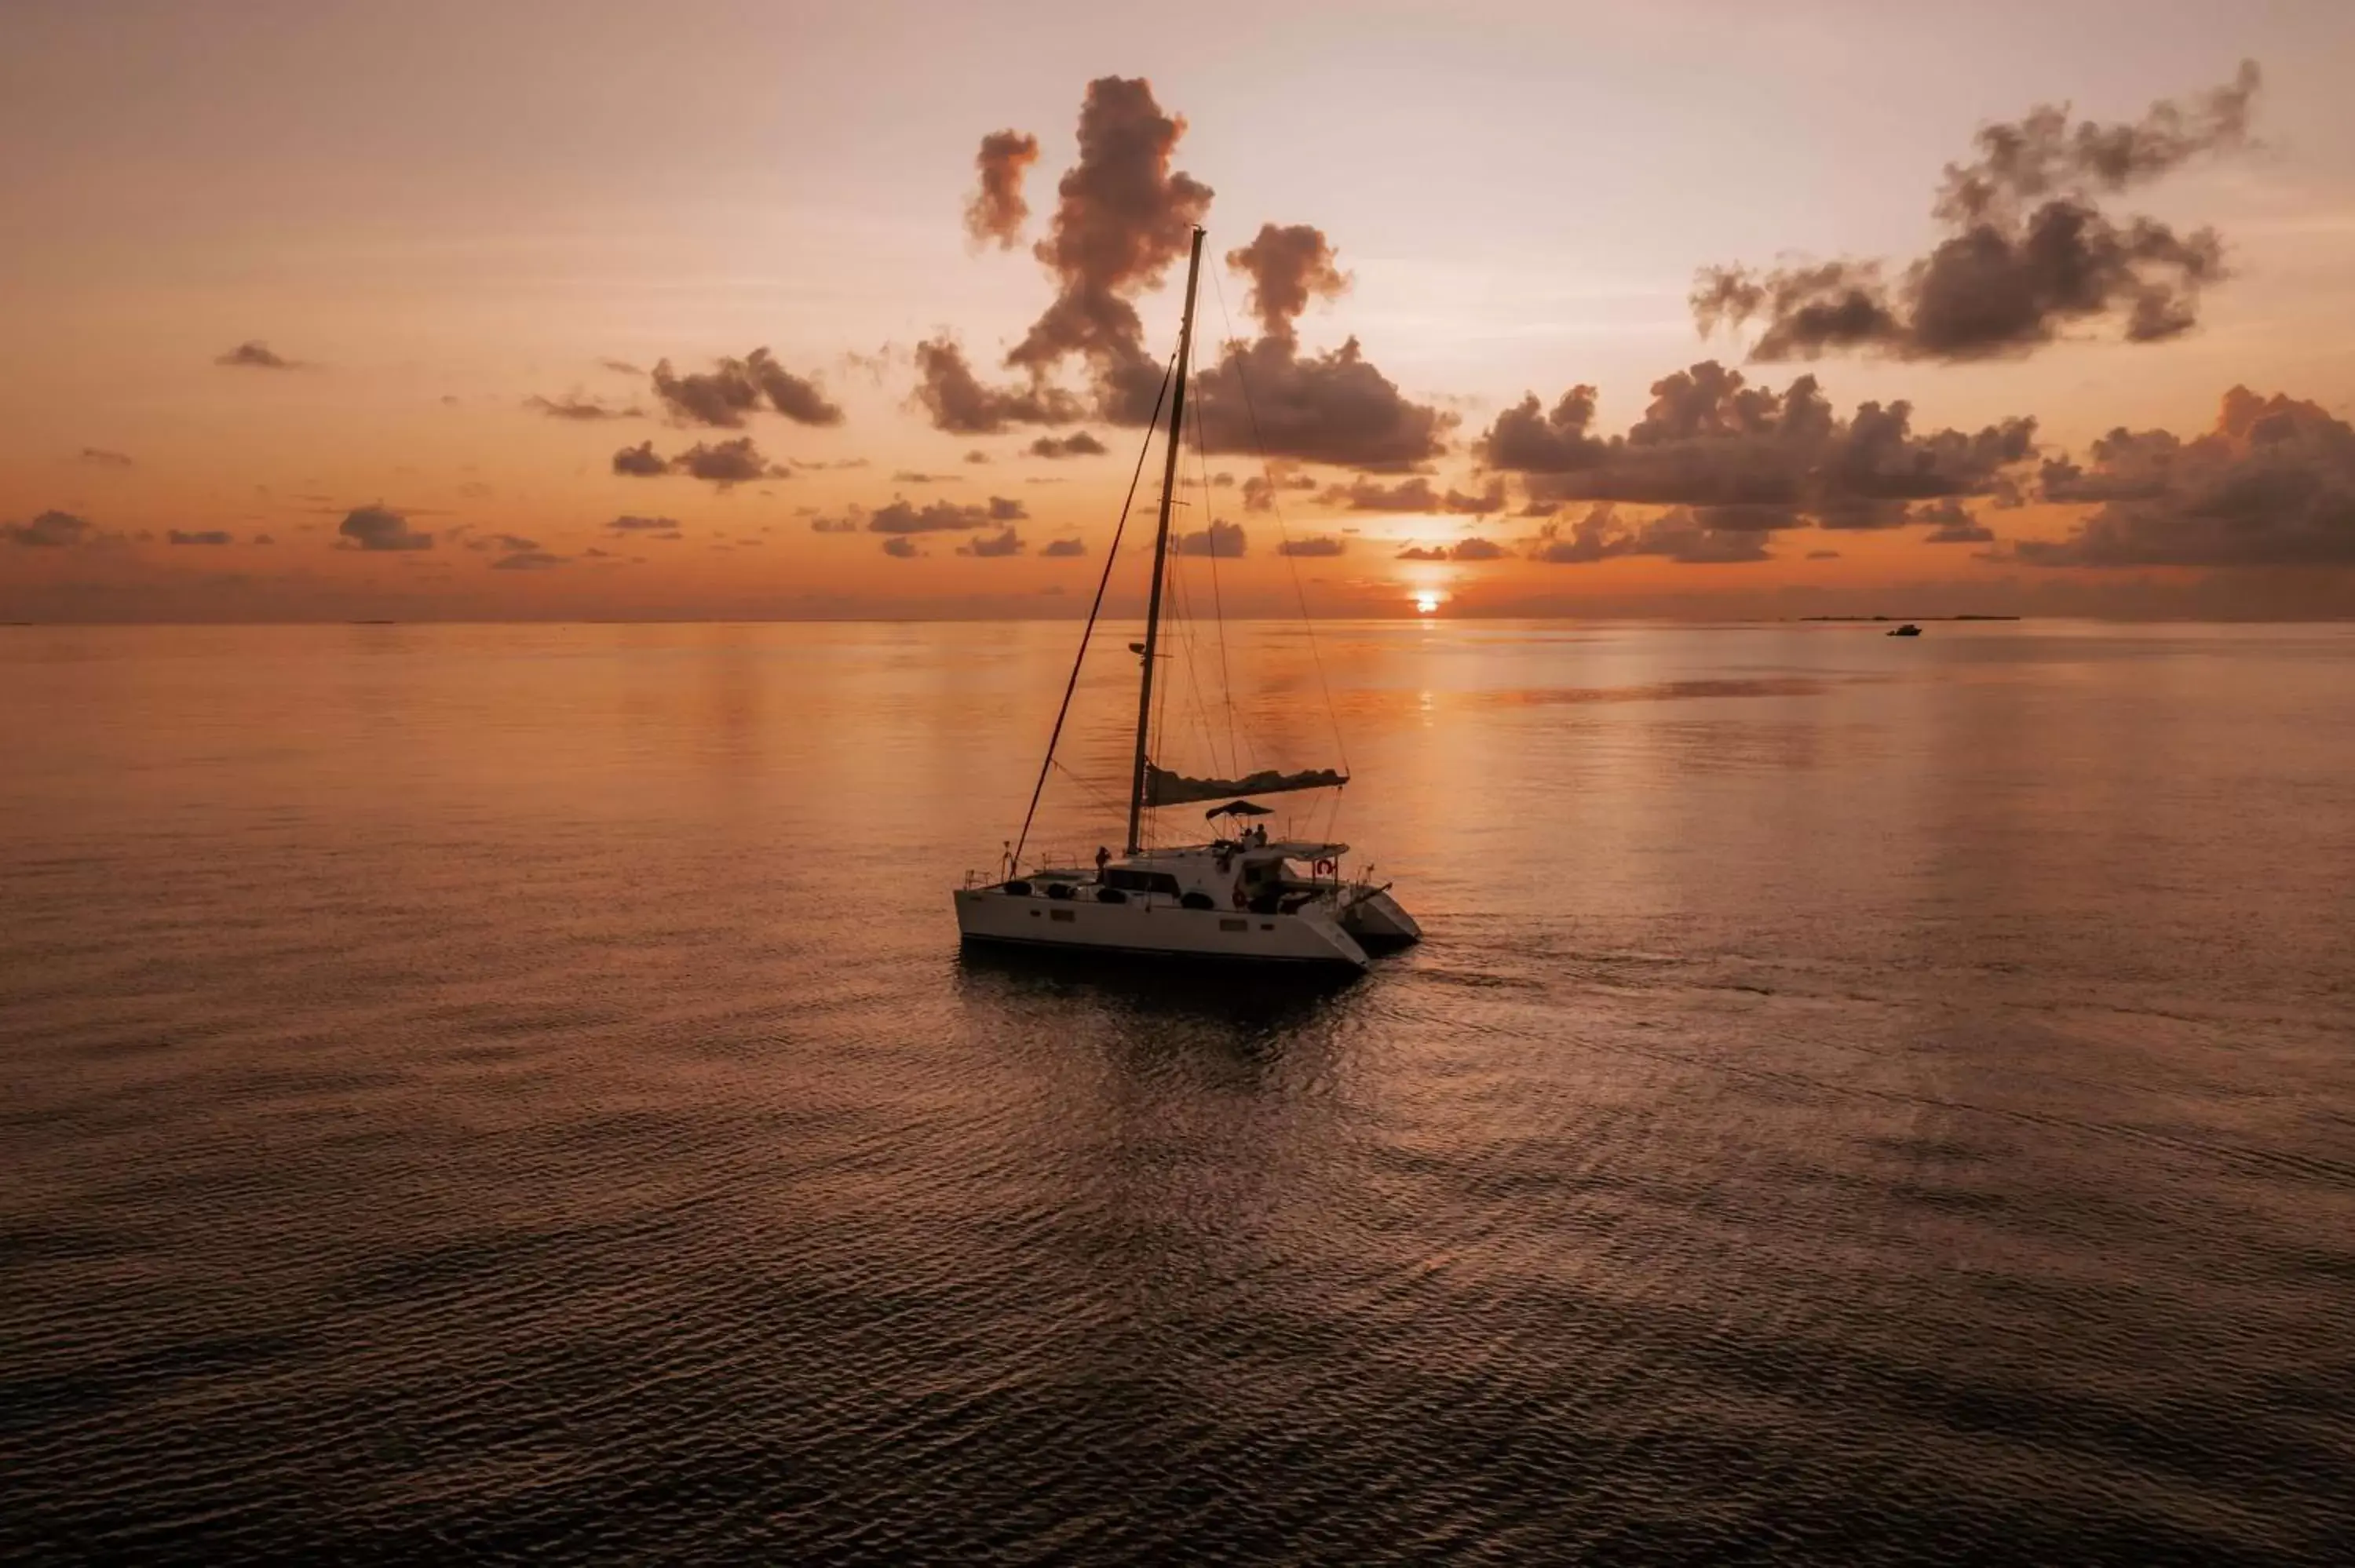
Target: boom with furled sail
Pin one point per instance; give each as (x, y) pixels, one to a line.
(1164, 787)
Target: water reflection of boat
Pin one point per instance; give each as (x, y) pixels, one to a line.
(1908, 629)
(1240, 896)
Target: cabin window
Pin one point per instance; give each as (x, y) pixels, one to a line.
(1063, 914)
(1234, 925)
(1267, 925)
(1139, 881)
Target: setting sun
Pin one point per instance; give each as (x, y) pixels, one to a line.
(1426, 602)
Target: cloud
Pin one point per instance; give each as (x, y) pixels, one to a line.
(1221, 540)
(620, 367)
(256, 355)
(1474, 550)
(51, 530)
(976, 456)
(958, 402)
(99, 457)
(834, 525)
(1064, 548)
(2272, 484)
(1260, 491)
(998, 211)
(202, 536)
(1525, 440)
(2028, 251)
(1679, 534)
(534, 560)
(943, 517)
(650, 527)
(374, 528)
(1682, 537)
(1415, 494)
(901, 547)
(1749, 459)
(1336, 407)
(487, 542)
(641, 461)
(1332, 407)
(726, 463)
(1123, 216)
(1287, 267)
(1823, 554)
(1009, 543)
(912, 476)
(729, 463)
(575, 406)
(1313, 545)
(732, 389)
(264, 539)
(1952, 522)
(1079, 443)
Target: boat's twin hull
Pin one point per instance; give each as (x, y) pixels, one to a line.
(1310, 935)
(1378, 921)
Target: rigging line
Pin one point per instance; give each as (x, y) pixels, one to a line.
(1180, 630)
(1096, 797)
(1218, 609)
(1191, 641)
(1275, 504)
(1225, 679)
(1110, 555)
(1187, 634)
(1161, 723)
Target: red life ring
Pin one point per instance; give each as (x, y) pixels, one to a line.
(1327, 867)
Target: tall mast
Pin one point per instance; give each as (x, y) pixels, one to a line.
(1161, 544)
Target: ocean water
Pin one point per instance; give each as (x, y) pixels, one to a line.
(490, 1093)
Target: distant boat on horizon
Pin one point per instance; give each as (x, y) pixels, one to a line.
(1241, 895)
(1908, 629)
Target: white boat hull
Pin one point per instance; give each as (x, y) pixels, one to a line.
(1155, 926)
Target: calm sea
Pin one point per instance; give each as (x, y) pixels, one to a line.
(514, 1092)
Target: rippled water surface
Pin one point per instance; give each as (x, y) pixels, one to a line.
(514, 1092)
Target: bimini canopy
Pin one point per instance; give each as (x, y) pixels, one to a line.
(1163, 787)
(1237, 809)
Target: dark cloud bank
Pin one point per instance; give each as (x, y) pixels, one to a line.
(1748, 460)
(2272, 484)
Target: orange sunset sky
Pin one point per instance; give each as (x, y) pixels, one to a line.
(317, 311)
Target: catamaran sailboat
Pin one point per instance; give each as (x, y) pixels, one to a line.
(1241, 894)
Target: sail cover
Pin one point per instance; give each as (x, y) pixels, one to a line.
(1163, 787)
